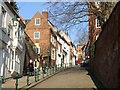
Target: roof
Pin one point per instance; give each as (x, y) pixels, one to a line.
(27, 21)
(62, 37)
(79, 47)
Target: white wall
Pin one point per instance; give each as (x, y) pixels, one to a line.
(0, 15)
(1, 62)
(19, 53)
(58, 61)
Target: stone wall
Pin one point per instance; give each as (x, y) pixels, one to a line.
(106, 64)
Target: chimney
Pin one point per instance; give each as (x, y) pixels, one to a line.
(44, 17)
(45, 14)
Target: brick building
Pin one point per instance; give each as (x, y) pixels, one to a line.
(94, 26)
(79, 53)
(42, 33)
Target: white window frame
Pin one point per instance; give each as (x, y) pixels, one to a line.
(35, 37)
(36, 20)
(37, 50)
(96, 22)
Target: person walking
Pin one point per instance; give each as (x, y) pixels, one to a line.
(36, 66)
(44, 67)
(30, 67)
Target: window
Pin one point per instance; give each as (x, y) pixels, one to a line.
(4, 14)
(37, 21)
(97, 23)
(36, 35)
(37, 50)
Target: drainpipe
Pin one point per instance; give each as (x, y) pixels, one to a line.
(4, 55)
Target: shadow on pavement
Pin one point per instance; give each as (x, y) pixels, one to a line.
(96, 81)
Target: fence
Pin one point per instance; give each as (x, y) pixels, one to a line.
(30, 79)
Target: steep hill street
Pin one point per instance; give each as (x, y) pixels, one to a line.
(71, 78)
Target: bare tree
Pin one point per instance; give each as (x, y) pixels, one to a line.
(69, 14)
(101, 10)
(81, 38)
(72, 15)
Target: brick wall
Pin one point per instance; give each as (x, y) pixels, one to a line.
(44, 30)
(107, 54)
(93, 31)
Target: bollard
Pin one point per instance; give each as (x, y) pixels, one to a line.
(0, 82)
(55, 68)
(43, 74)
(65, 65)
(28, 75)
(50, 70)
(38, 75)
(59, 67)
(16, 81)
(35, 75)
(47, 71)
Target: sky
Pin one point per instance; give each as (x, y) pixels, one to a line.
(28, 9)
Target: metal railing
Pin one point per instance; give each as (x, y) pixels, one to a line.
(38, 75)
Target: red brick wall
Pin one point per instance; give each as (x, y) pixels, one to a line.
(107, 54)
(44, 30)
(93, 31)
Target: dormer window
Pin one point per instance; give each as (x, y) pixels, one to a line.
(37, 21)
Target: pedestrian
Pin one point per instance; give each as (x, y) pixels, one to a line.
(44, 66)
(30, 67)
(36, 65)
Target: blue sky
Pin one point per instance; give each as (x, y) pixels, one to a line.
(28, 9)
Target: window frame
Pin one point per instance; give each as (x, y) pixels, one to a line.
(96, 23)
(36, 21)
(39, 35)
(37, 50)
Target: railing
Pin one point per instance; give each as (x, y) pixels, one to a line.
(35, 77)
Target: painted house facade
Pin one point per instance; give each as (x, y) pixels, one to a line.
(12, 46)
(65, 48)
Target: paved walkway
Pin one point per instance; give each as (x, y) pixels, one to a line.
(70, 78)
(22, 82)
